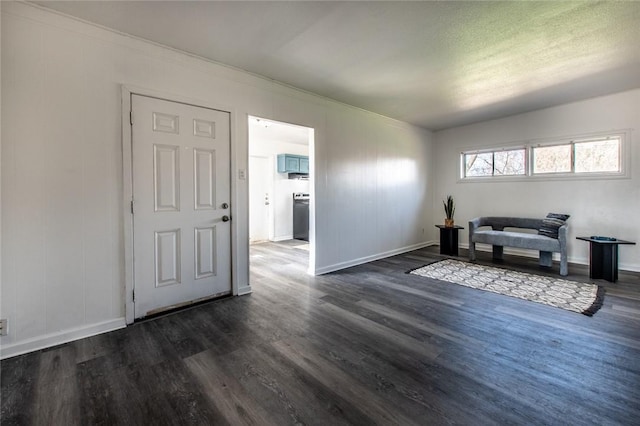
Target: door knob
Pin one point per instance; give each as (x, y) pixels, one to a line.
(226, 218)
(225, 205)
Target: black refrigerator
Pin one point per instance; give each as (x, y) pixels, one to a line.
(301, 216)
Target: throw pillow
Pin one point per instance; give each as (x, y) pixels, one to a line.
(551, 223)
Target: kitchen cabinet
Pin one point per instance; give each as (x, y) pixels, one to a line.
(290, 163)
(304, 164)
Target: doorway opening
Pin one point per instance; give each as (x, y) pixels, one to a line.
(281, 196)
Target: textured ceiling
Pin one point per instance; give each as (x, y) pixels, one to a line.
(433, 64)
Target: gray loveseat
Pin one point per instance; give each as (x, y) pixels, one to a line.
(499, 238)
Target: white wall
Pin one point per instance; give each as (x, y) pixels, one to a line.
(597, 207)
(1, 244)
(375, 186)
(62, 187)
(281, 201)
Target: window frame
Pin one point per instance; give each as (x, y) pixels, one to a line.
(463, 156)
(532, 148)
(623, 136)
(572, 143)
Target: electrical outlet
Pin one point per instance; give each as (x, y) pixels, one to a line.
(3, 327)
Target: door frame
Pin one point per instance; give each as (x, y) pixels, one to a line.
(127, 184)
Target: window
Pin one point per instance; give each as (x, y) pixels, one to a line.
(597, 156)
(495, 163)
(600, 155)
(592, 156)
(552, 159)
(508, 163)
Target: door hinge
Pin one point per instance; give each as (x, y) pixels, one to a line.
(133, 295)
(3, 327)
(131, 117)
(131, 206)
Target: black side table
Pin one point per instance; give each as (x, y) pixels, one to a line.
(603, 257)
(449, 239)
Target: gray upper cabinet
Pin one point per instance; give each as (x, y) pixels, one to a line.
(290, 163)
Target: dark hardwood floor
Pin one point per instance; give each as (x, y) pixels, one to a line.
(366, 345)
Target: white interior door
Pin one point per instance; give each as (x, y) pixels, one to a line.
(181, 194)
(259, 199)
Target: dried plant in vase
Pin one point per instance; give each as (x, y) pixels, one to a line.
(449, 210)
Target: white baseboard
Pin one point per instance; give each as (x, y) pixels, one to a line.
(282, 238)
(53, 339)
(631, 267)
(360, 261)
(244, 290)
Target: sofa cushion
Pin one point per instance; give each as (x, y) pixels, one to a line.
(551, 224)
(517, 239)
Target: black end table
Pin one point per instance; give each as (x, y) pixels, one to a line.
(449, 239)
(603, 257)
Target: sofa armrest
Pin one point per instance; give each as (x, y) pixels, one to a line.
(474, 224)
(563, 231)
(493, 222)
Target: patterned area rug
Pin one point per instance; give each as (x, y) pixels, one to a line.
(570, 295)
